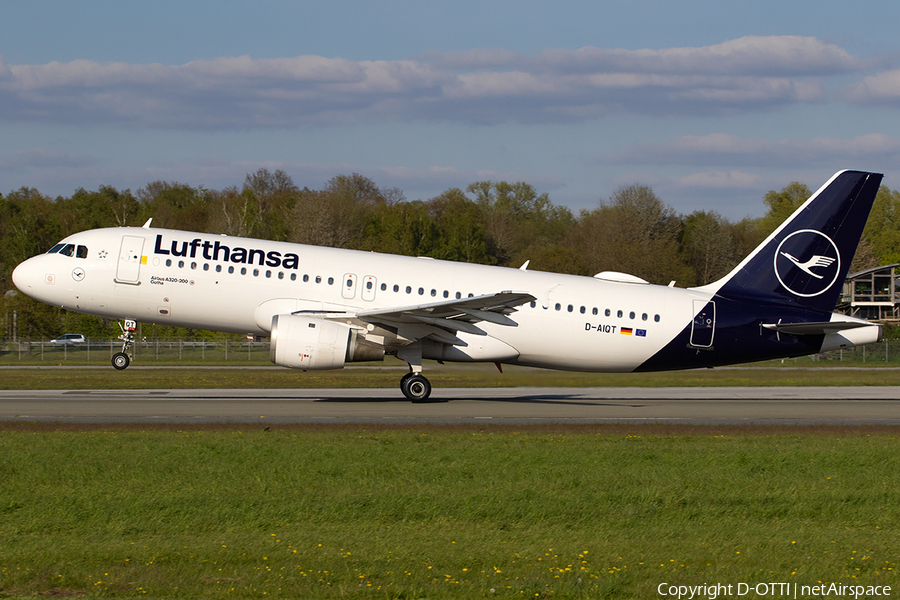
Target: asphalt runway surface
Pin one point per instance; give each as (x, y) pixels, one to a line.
(706, 405)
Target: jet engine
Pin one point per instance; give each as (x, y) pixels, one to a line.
(300, 342)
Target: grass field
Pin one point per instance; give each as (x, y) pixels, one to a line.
(500, 512)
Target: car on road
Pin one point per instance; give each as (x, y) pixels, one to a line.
(69, 338)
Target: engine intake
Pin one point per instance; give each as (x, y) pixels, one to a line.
(300, 342)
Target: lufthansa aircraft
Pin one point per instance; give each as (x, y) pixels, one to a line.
(324, 307)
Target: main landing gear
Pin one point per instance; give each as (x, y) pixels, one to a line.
(121, 360)
(415, 387)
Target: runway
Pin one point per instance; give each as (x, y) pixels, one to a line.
(706, 405)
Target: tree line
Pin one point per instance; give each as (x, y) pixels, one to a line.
(493, 223)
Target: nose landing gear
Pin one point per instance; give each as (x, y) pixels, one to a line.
(121, 360)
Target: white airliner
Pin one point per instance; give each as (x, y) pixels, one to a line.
(324, 307)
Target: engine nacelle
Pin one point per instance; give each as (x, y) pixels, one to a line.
(300, 342)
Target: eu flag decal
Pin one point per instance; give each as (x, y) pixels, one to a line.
(640, 332)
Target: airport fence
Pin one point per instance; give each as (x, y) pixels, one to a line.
(145, 351)
(234, 351)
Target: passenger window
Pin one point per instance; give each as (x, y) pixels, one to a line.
(558, 306)
(656, 318)
(268, 274)
(280, 275)
(206, 266)
(631, 315)
(570, 308)
(421, 291)
(433, 293)
(180, 264)
(594, 311)
(243, 270)
(396, 288)
(256, 272)
(218, 268)
(533, 304)
(318, 279)
(446, 294)
(305, 278)
(644, 317)
(368, 284)
(350, 284)
(606, 312)
(293, 277)
(194, 265)
(230, 270)
(458, 295)
(408, 290)
(81, 252)
(168, 262)
(619, 313)
(583, 310)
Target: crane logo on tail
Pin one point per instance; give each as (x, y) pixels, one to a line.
(807, 263)
(816, 261)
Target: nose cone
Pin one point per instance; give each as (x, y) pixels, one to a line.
(23, 277)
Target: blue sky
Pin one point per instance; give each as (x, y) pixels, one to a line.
(710, 103)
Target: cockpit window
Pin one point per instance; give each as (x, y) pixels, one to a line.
(55, 249)
(81, 252)
(68, 250)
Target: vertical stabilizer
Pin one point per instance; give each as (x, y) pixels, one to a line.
(805, 261)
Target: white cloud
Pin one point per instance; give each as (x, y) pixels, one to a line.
(731, 150)
(880, 89)
(748, 74)
(39, 158)
(719, 180)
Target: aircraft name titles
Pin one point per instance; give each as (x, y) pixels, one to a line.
(217, 251)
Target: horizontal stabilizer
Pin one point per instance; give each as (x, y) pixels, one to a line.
(822, 328)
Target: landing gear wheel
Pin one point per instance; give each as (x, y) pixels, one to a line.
(120, 361)
(415, 387)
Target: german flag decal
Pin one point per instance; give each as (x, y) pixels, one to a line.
(625, 330)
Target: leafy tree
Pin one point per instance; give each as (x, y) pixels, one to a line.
(781, 205)
(708, 246)
(175, 205)
(518, 220)
(337, 216)
(459, 228)
(882, 230)
(636, 233)
(400, 228)
(274, 196)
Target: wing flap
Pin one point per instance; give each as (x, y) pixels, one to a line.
(452, 316)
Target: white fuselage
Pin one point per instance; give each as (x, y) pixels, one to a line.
(237, 285)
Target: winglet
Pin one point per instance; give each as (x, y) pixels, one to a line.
(147, 224)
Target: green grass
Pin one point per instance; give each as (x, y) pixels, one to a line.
(365, 512)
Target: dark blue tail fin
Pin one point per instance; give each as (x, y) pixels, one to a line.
(805, 261)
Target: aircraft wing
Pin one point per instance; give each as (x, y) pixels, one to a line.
(442, 320)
